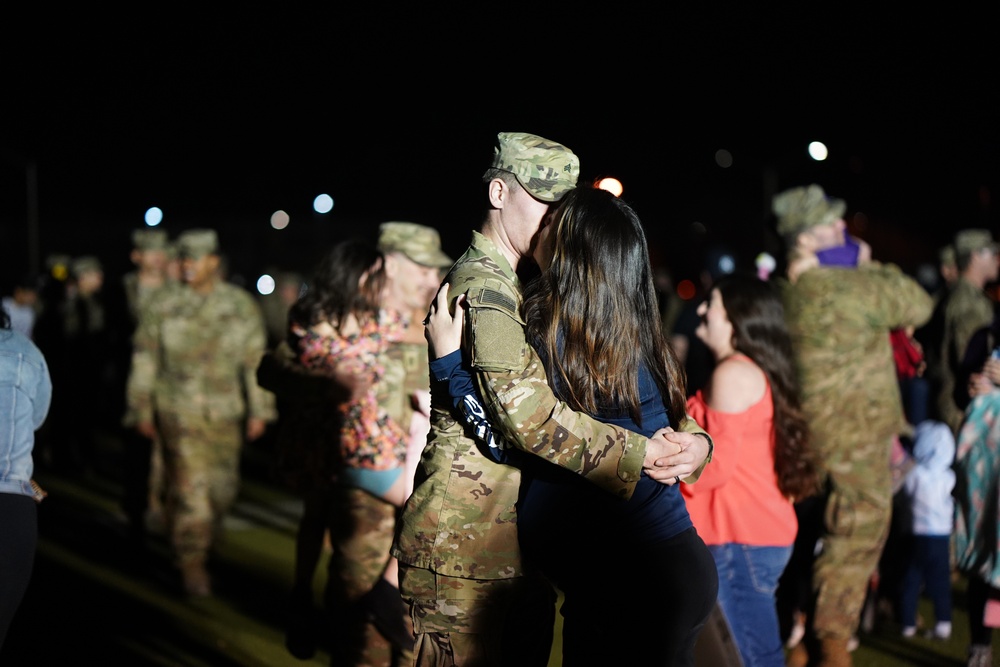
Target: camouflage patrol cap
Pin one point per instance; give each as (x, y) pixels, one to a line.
(546, 169)
(81, 265)
(197, 243)
(149, 239)
(968, 241)
(419, 243)
(802, 208)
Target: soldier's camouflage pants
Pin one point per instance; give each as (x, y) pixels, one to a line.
(857, 517)
(479, 623)
(361, 534)
(202, 464)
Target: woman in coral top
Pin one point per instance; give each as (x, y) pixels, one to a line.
(742, 505)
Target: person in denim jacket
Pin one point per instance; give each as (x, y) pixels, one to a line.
(25, 396)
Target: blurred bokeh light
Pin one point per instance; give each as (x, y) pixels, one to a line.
(279, 219)
(612, 185)
(265, 284)
(323, 204)
(154, 216)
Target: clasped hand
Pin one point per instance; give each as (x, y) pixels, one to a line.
(673, 455)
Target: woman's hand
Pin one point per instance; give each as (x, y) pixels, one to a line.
(442, 329)
(671, 455)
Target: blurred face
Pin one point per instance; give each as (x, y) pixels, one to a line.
(715, 330)
(523, 216)
(90, 282)
(199, 271)
(410, 286)
(154, 261)
(822, 237)
(545, 243)
(987, 262)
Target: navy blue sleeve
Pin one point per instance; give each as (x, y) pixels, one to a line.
(462, 392)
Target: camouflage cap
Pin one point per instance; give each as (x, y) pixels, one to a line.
(802, 208)
(419, 243)
(197, 243)
(149, 239)
(546, 169)
(81, 265)
(968, 241)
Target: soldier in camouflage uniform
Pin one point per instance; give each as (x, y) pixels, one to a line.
(196, 351)
(143, 482)
(471, 599)
(967, 309)
(839, 319)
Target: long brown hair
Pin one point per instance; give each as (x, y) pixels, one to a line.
(335, 291)
(593, 313)
(754, 308)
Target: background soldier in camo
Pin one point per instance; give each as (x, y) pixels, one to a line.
(195, 357)
(471, 599)
(143, 477)
(839, 319)
(966, 309)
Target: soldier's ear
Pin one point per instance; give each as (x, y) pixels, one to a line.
(498, 192)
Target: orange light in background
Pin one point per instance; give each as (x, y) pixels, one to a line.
(686, 289)
(612, 185)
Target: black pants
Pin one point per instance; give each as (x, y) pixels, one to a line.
(17, 553)
(640, 606)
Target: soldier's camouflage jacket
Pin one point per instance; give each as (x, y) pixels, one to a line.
(197, 355)
(839, 320)
(460, 520)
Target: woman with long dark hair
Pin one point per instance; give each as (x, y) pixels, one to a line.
(743, 504)
(340, 455)
(638, 582)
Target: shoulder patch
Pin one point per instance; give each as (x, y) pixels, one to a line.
(497, 337)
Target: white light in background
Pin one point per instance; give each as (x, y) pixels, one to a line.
(612, 185)
(817, 150)
(154, 216)
(323, 204)
(279, 219)
(265, 284)
(723, 158)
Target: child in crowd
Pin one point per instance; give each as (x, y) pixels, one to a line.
(928, 487)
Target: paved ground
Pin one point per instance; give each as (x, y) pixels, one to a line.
(92, 600)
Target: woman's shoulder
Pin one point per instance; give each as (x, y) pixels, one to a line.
(15, 341)
(737, 384)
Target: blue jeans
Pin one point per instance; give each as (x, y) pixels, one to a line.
(748, 579)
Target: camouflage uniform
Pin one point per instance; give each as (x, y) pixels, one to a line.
(966, 310)
(144, 485)
(839, 320)
(460, 565)
(193, 368)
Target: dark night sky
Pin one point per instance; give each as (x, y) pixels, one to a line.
(221, 119)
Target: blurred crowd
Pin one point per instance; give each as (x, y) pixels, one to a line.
(878, 453)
